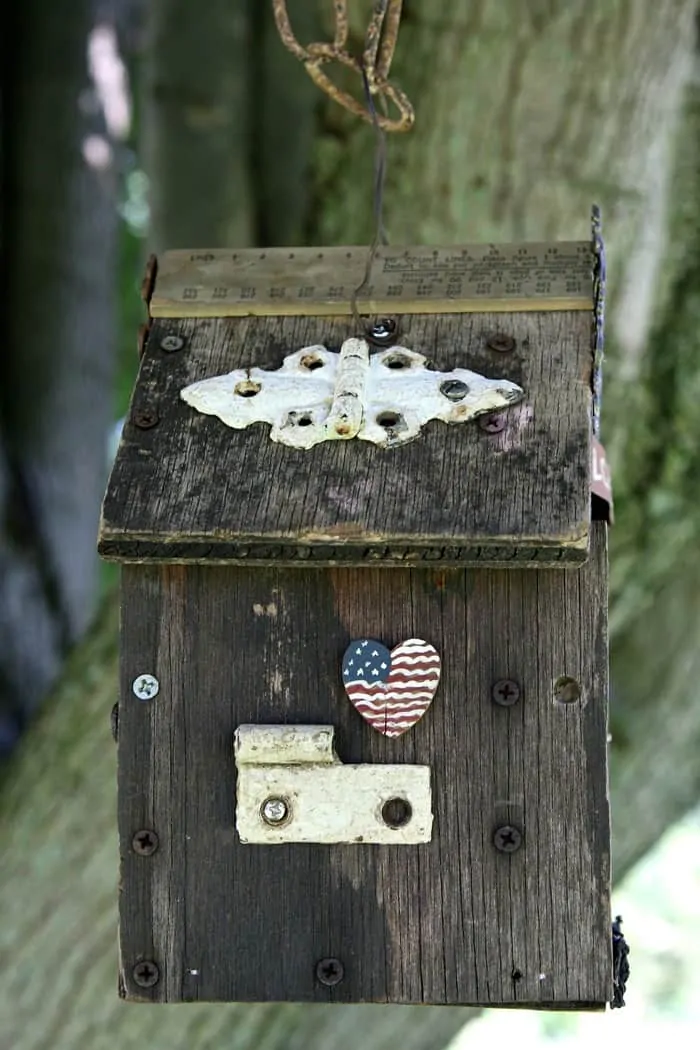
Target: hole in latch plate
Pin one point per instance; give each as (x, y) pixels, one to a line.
(388, 419)
(397, 812)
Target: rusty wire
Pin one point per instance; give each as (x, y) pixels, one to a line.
(373, 67)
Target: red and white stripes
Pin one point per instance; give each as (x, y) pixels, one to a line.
(395, 705)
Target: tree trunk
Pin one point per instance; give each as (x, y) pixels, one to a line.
(56, 365)
(526, 112)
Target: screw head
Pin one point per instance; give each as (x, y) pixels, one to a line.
(145, 973)
(501, 342)
(382, 331)
(145, 418)
(505, 692)
(454, 389)
(329, 972)
(145, 842)
(145, 686)
(170, 343)
(492, 424)
(275, 811)
(114, 722)
(507, 839)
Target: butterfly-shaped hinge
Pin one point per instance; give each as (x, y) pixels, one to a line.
(319, 395)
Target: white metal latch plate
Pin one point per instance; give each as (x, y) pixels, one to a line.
(293, 788)
(318, 395)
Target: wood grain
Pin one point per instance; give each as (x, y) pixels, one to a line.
(453, 921)
(190, 488)
(301, 281)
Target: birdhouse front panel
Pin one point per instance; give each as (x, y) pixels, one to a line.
(363, 703)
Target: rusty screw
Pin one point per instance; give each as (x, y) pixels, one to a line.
(505, 692)
(501, 342)
(145, 418)
(492, 424)
(170, 343)
(145, 842)
(507, 839)
(146, 973)
(330, 972)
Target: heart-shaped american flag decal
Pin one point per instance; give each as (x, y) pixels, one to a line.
(391, 690)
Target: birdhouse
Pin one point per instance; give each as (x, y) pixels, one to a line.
(362, 721)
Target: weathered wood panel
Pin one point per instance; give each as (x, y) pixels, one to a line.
(454, 921)
(185, 486)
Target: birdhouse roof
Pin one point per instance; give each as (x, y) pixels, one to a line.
(224, 455)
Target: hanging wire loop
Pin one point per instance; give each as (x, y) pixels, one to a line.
(373, 67)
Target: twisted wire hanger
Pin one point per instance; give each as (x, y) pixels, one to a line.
(372, 67)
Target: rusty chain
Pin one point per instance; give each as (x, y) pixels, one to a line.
(373, 67)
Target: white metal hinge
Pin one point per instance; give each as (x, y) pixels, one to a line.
(318, 395)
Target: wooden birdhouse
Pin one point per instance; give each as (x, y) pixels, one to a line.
(363, 711)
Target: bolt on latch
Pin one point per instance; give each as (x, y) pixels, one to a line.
(293, 788)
